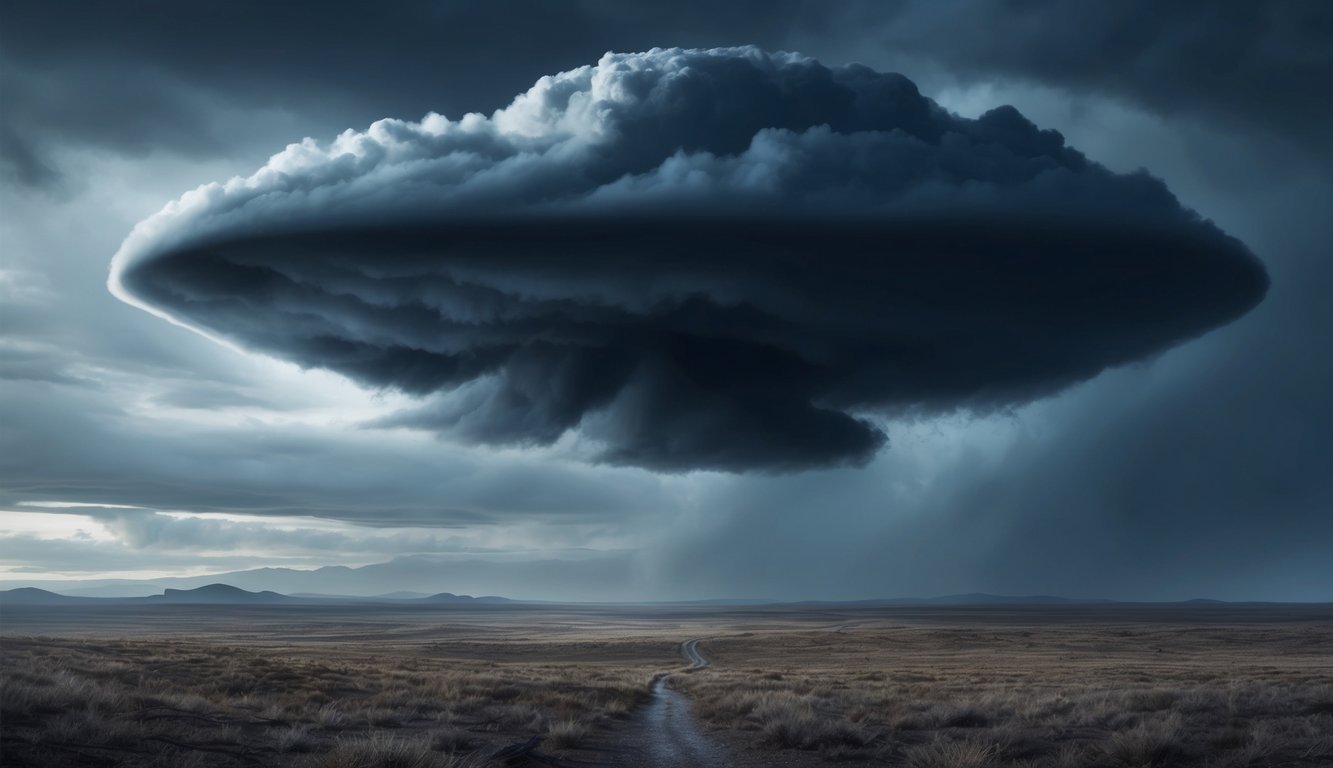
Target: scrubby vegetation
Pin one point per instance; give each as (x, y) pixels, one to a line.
(176, 703)
(796, 688)
(1055, 697)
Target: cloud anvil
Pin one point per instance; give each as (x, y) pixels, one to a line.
(721, 259)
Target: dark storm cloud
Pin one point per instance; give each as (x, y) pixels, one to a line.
(1257, 66)
(696, 259)
(157, 75)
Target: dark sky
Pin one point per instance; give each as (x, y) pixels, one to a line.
(1024, 297)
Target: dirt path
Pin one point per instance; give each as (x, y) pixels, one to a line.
(690, 650)
(665, 734)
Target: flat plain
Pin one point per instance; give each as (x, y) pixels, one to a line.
(344, 686)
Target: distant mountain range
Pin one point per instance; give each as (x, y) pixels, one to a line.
(215, 593)
(34, 596)
(225, 594)
(413, 579)
(403, 577)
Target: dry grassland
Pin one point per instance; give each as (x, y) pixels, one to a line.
(434, 689)
(179, 703)
(1057, 696)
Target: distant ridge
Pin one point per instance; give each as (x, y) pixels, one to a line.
(421, 574)
(568, 580)
(399, 595)
(218, 593)
(403, 597)
(35, 596)
(226, 594)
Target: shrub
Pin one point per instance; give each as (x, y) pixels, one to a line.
(567, 733)
(379, 751)
(951, 754)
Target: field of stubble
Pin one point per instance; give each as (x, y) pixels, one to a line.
(433, 687)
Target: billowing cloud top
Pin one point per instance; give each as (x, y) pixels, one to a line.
(717, 259)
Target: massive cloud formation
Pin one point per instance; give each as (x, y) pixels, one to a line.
(694, 259)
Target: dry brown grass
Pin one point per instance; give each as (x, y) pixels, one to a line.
(438, 689)
(567, 733)
(143, 702)
(380, 750)
(1055, 696)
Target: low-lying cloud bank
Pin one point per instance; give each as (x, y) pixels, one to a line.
(722, 259)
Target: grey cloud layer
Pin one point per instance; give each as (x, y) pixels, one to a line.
(158, 75)
(1259, 67)
(84, 450)
(695, 259)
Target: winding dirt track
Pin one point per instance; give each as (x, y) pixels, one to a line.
(690, 650)
(666, 733)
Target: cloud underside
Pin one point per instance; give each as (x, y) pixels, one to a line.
(695, 259)
(638, 334)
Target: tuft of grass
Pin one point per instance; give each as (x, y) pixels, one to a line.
(1147, 744)
(567, 733)
(942, 753)
(295, 739)
(965, 717)
(795, 724)
(379, 751)
(451, 740)
(330, 716)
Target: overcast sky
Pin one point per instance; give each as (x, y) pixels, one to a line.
(457, 288)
